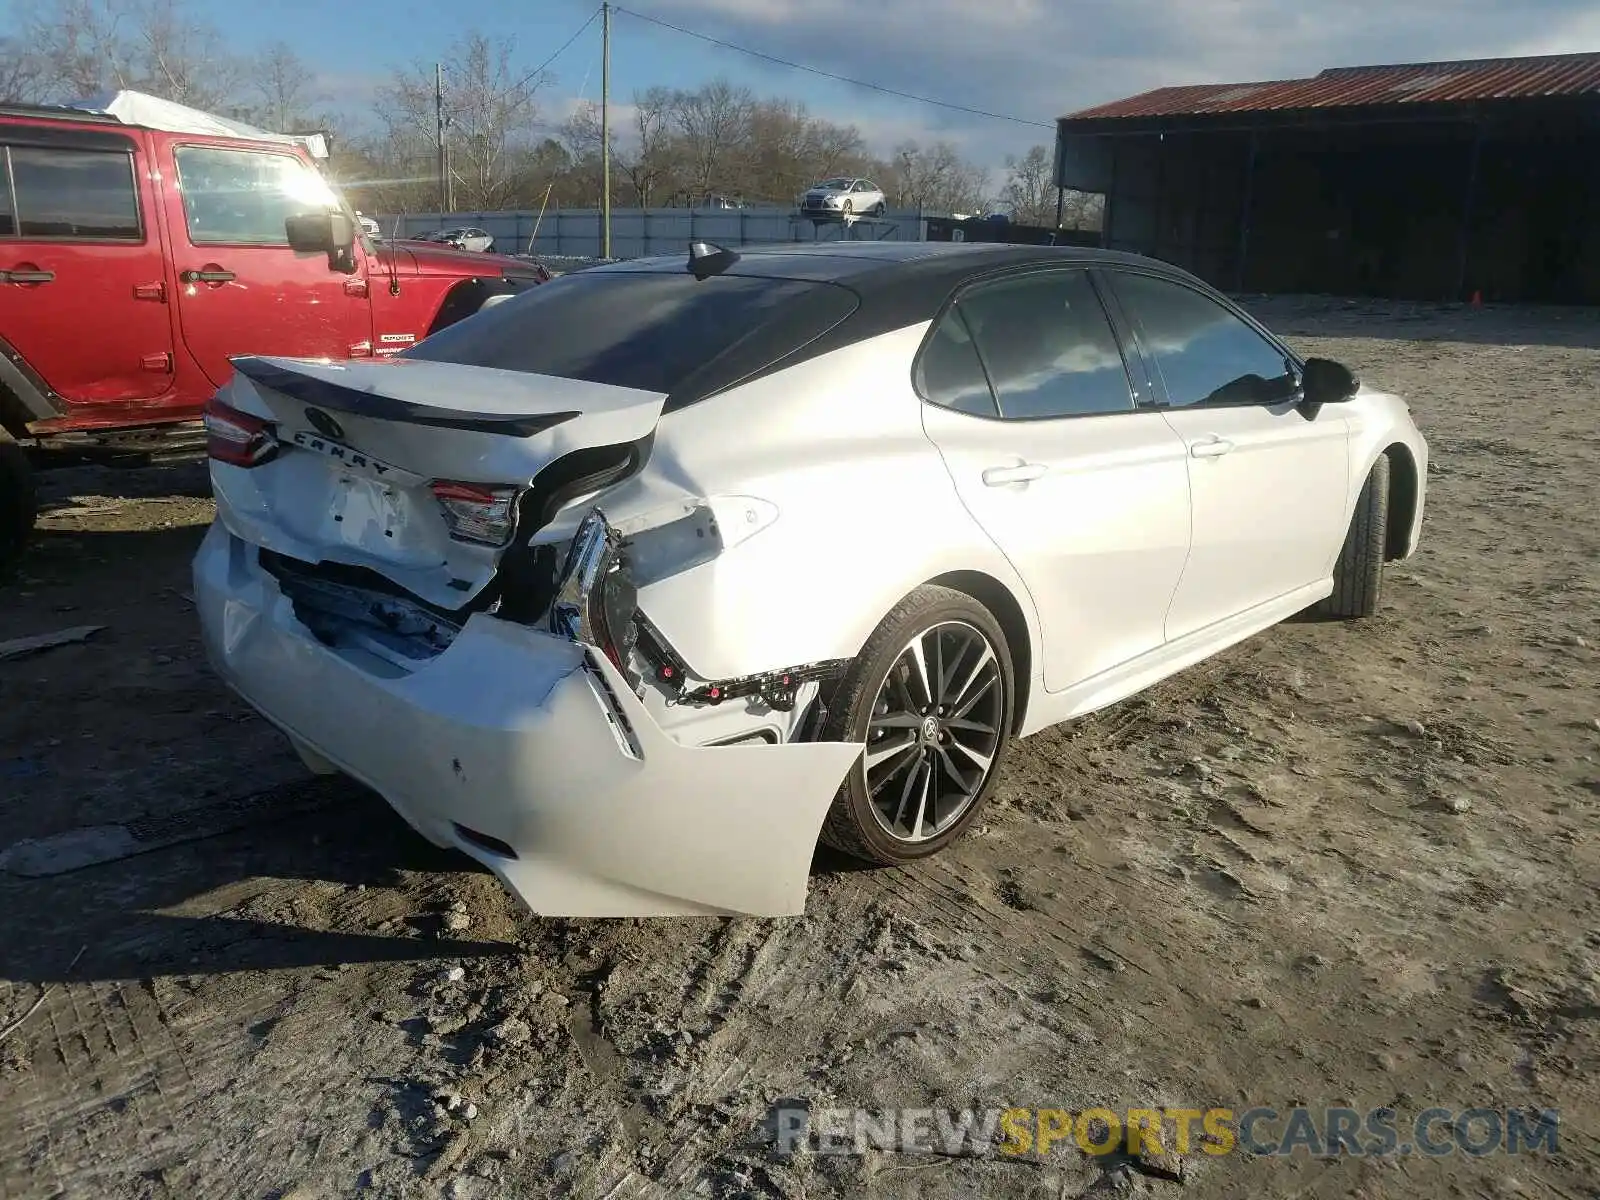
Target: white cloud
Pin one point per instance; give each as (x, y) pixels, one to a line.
(1571, 35)
(1039, 59)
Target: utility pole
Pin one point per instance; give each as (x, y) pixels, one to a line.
(605, 131)
(438, 116)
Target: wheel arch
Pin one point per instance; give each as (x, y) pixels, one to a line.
(1404, 493)
(466, 298)
(1003, 604)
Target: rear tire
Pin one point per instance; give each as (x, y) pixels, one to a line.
(879, 209)
(1358, 575)
(19, 502)
(882, 702)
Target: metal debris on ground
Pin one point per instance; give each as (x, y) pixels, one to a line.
(18, 647)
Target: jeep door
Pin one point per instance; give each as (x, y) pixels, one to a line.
(81, 273)
(241, 289)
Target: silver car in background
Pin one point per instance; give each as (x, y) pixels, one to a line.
(462, 238)
(844, 197)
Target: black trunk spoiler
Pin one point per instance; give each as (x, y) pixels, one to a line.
(362, 402)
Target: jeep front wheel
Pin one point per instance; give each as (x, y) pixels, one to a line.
(19, 504)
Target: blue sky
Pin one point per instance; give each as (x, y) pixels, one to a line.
(1032, 58)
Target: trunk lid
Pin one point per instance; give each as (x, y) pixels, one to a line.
(362, 443)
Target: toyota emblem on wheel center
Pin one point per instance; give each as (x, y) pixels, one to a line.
(324, 424)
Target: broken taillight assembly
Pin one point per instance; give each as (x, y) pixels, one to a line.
(477, 512)
(237, 438)
(596, 599)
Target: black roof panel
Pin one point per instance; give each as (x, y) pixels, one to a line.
(856, 263)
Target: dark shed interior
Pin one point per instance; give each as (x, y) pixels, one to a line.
(1497, 195)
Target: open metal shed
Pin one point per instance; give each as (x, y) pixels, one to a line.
(1422, 180)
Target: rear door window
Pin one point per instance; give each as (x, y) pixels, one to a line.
(649, 330)
(949, 372)
(1047, 345)
(75, 195)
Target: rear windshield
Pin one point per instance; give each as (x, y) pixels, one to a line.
(645, 330)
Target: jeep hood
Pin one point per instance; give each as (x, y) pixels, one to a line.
(434, 258)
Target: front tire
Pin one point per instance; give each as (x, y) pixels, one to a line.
(932, 696)
(1358, 575)
(19, 502)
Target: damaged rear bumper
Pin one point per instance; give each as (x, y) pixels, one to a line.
(529, 752)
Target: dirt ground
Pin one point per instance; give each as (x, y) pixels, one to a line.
(1337, 865)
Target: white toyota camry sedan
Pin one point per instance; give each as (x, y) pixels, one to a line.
(636, 585)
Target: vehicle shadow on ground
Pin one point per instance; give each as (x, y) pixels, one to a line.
(183, 480)
(227, 897)
(113, 911)
(108, 568)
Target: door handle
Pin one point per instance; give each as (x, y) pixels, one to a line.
(1213, 447)
(1021, 473)
(27, 276)
(208, 277)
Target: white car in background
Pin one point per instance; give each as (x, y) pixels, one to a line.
(462, 238)
(633, 586)
(844, 197)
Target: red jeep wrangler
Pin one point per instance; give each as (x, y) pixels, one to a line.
(134, 260)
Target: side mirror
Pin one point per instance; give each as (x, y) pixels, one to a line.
(319, 232)
(330, 233)
(1324, 381)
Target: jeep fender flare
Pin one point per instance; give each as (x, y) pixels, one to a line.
(468, 296)
(24, 397)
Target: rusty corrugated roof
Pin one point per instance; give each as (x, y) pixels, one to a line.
(1405, 83)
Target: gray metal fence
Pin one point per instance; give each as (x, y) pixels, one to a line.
(637, 232)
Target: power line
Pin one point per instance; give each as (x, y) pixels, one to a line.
(565, 46)
(861, 83)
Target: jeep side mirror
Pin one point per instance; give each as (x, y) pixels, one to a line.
(312, 233)
(1324, 381)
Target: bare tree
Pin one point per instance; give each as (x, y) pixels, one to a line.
(286, 91)
(680, 146)
(1030, 188)
(788, 150)
(1083, 210)
(155, 46)
(182, 58)
(713, 125)
(580, 135)
(83, 47)
(837, 150)
(24, 77)
(935, 177)
(650, 165)
(490, 112)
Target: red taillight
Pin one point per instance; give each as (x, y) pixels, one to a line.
(237, 438)
(477, 512)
